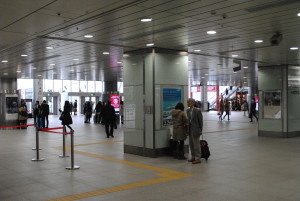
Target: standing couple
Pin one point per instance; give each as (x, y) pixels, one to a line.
(193, 121)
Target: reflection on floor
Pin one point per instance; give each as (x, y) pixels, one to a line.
(242, 166)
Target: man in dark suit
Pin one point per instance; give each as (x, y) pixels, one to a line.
(109, 116)
(45, 114)
(195, 130)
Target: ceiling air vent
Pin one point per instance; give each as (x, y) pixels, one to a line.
(271, 5)
(149, 33)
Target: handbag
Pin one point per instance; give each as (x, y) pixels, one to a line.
(61, 116)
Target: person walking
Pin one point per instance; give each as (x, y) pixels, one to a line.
(195, 120)
(88, 110)
(253, 110)
(180, 125)
(221, 109)
(75, 107)
(45, 114)
(98, 110)
(109, 116)
(227, 109)
(65, 117)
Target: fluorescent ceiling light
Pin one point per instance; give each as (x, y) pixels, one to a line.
(49, 48)
(39, 75)
(4, 61)
(206, 74)
(18, 71)
(146, 19)
(24, 55)
(298, 14)
(105, 52)
(245, 82)
(5, 73)
(52, 64)
(294, 48)
(258, 41)
(234, 55)
(75, 59)
(71, 70)
(234, 72)
(245, 77)
(202, 77)
(211, 32)
(149, 44)
(88, 36)
(197, 50)
(245, 67)
(119, 62)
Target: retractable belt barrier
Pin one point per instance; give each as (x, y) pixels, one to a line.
(50, 130)
(17, 126)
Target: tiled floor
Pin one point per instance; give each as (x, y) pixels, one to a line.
(242, 167)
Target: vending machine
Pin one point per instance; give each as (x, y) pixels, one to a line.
(9, 107)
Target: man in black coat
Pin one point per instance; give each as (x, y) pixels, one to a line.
(45, 113)
(109, 116)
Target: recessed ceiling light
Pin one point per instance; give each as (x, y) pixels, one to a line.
(88, 36)
(133, 64)
(52, 64)
(294, 48)
(211, 32)
(146, 19)
(119, 62)
(298, 14)
(5, 73)
(202, 77)
(234, 72)
(49, 48)
(245, 82)
(245, 77)
(149, 44)
(245, 67)
(206, 74)
(39, 75)
(234, 55)
(75, 59)
(18, 71)
(258, 41)
(4, 61)
(33, 68)
(24, 55)
(71, 70)
(105, 52)
(197, 50)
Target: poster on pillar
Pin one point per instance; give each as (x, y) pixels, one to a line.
(272, 105)
(115, 102)
(171, 97)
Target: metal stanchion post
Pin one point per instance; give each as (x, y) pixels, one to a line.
(37, 146)
(73, 167)
(64, 143)
(36, 126)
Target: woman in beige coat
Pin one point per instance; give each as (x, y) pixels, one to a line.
(180, 124)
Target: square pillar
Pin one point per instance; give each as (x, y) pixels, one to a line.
(151, 75)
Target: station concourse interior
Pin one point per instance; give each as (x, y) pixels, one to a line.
(138, 51)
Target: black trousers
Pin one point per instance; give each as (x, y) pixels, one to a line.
(44, 120)
(109, 129)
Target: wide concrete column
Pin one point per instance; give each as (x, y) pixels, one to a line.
(203, 90)
(110, 88)
(279, 111)
(155, 80)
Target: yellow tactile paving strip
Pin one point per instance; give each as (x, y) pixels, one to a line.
(164, 176)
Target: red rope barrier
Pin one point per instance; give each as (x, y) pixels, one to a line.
(47, 129)
(55, 132)
(17, 126)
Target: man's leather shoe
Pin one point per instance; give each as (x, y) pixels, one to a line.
(191, 160)
(196, 161)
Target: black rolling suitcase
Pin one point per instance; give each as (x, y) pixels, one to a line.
(205, 153)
